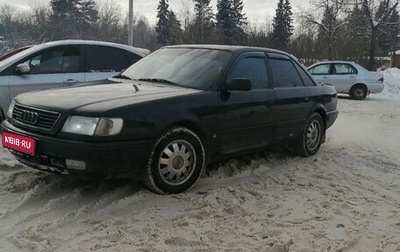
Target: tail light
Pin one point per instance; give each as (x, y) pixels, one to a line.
(380, 80)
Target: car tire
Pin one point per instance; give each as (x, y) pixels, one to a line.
(312, 137)
(358, 92)
(176, 162)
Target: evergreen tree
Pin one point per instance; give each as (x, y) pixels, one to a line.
(354, 45)
(163, 26)
(376, 19)
(328, 32)
(388, 30)
(230, 21)
(282, 25)
(176, 31)
(72, 18)
(204, 21)
(239, 20)
(88, 12)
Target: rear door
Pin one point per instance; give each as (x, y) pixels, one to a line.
(247, 117)
(51, 68)
(102, 62)
(293, 97)
(343, 76)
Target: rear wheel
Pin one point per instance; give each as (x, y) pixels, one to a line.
(176, 162)
(310, 141)
(358, 92)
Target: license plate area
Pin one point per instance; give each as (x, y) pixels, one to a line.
(18, 142)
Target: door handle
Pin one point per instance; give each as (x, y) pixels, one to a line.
(325, 77)
(70, 81)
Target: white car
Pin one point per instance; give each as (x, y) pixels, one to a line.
(62, 63)
(348, 77)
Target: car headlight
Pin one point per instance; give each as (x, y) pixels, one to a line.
(10, 109)
(93, 126)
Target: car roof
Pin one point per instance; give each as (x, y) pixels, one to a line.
(335, 61)
(140, 51)
(232, 48)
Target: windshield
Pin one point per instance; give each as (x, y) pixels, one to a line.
(186, 67)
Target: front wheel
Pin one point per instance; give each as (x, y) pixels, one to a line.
(358, 92)
(312, 137)
(176, 162)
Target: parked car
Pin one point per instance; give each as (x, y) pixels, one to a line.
(165, 117)
(62, 63)
(12, 52)
(348, 77)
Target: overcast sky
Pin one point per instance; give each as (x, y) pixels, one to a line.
(256, 10)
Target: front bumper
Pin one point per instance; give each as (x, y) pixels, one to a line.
(126, 159)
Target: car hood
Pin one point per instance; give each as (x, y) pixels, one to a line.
(99, 97)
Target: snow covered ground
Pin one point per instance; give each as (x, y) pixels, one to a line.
(345, 198)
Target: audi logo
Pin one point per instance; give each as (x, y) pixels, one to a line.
(29, 117)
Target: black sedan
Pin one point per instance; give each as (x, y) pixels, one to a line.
(164, 118)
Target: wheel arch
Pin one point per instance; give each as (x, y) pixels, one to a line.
(322, 112)
(359, 84)
(193, 126)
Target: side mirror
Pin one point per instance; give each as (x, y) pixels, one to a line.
(23, 68)
(238, 85)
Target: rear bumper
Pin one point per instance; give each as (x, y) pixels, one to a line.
(126, 159)
(376, 87)
(331, 118)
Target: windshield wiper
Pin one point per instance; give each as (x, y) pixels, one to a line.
(159, 80)
(122, 76)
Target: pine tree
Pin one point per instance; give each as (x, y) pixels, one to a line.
(204, 20)
(163, 26)
(355, 36)
(176, 31)
(72, 18)
(230, 21)
(239, 20)
(88, 12)
(388, 31)
(282, 25)
(328, 32)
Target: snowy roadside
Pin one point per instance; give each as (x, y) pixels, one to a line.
(345, 198)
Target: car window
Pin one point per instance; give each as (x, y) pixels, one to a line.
(320, 69)
(56, 60)
(344, 69)
(304, 76)
(105, 59)
(284, 73)
(252, 68)
(186, 67)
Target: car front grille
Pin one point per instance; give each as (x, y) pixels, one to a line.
(42, 119)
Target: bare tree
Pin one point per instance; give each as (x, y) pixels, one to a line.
(327, 17)
(376, 19)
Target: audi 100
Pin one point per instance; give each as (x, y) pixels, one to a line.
(166, 117)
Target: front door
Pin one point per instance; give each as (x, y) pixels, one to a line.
(51, 68)
(247, 117)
